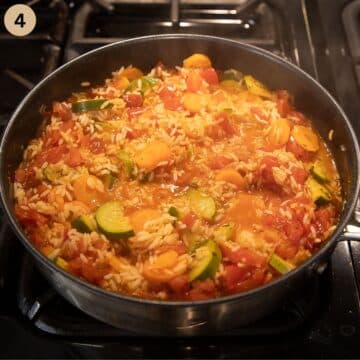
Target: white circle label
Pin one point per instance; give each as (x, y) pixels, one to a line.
(20, 20)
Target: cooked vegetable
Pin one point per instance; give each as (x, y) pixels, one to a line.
(52, 173)
(153, 154)
(197, 61)
(279, 132)
(128, 163)
(206, 262)
(173, 211)
(131, 73)
(280, 265)
(232, 74)
(112, 222)
(256, 87)
(84, 224)
(90, 105)
(224, 233)
(306, 138)
(192, 240)
(59, 261)
(231, 85)
(319, 172)
(90, 190)
(163, 268)
(202, 204)
(109, 180)
(318, 192)
(231, 176)
(140, 217)
(142, 84)
(192, 102)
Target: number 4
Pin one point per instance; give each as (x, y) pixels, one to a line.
(20, 20)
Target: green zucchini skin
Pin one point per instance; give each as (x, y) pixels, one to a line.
(112, 222)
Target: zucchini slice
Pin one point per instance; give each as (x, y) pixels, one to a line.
(128, 163)
(60, 262)
(108, 181)
(84, 224)
(207, 261)
(319, 194)
(90, 105)
(202, 204)
(319, 173)
(142, 84)
(256, 87)
(112, 222)
(280, 265)
(231, 74)
(192, 241)
(173, 211)
(53, 172)
(224, 233)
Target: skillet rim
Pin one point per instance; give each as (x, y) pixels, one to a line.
(346, 214)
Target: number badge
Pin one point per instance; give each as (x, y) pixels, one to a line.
(20, 20)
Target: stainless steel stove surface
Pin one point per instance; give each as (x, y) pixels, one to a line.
(321, 321)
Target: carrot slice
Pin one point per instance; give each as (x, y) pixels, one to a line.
(153, 154)
(131, 73)
(306, 138)
(279, 132)
(89, 190)
(192, 102)
(231, 176)
(197, 61)
(140, 217)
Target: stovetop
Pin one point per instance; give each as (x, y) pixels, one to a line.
(320, 36)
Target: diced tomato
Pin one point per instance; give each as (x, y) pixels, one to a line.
(299, 152)
(210, 76)
(62, 111)
(323, 219)
(193, 81)
(170, 99)
(286, 250)
(29, 217)
(219, 162)
(85, 141)
(266, 173)
(294, 231)
(243, 255)
(87, 270)
(300, 175)
(134, 134)
(55, 154)
(189, 219)
(180, 284)
(97, 146)
(52, 138)
(255, 280)
(133, 100)
(234, 274)
(259, 113)
(73, 158)
(202, 290)
(184, 179)
(283, 103)
(67, 125)
(20, 175)
(225, 123)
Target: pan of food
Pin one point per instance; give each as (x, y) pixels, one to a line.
(179, 184)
